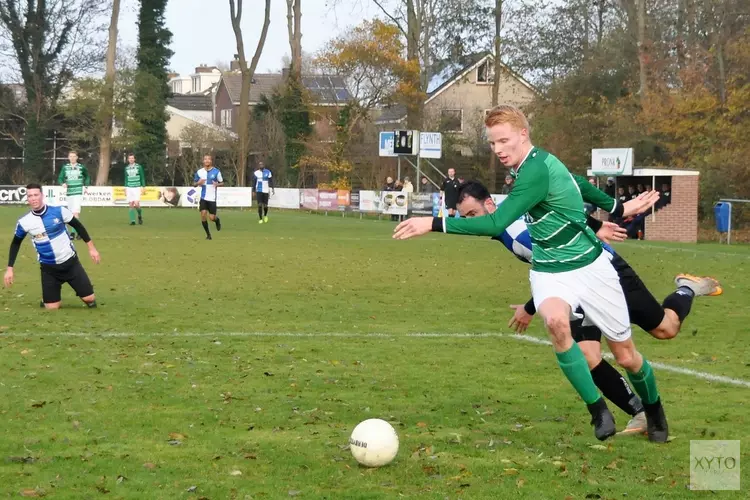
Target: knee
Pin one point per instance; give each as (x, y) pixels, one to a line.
(664, 333)
(557, 324)
(628, 359)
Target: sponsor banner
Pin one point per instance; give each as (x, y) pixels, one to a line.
(285, 198)
(617, 161)
(328, 200)
(369, 201)
(421, 203)
(308, 199)
(234, 197)
(12, 195)
(343, 198)
(152, 196)
(354, 201)
(394, 202)
(93, 196)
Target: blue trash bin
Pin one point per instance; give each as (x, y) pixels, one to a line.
(722, 213)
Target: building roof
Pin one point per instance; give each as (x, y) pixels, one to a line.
(325, 88)
(191, 102)
(442, 80)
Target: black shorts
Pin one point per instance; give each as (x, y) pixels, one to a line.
(262, 198)
(70, 272)
(207, 206)
(451, 204)
(643, 308)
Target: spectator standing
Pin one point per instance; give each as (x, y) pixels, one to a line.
(507, 186)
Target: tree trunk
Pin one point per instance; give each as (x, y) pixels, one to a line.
(642, 52)
(415, 106)
(105, 139)
(293, 23)
(243, 122)
(497, 67)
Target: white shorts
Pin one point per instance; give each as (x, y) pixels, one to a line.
(133, 194)
(74, 203)
(595, 288)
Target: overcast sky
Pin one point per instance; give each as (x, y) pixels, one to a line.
(202, 31)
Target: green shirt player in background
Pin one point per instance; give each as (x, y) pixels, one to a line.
(569, 267)
(135, 183)
(73, 177)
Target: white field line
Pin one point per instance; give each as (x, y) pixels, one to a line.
(524, 338)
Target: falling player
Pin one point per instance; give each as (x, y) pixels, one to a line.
(209, 179)
(57, 256)
(73, 178)
(661, 321)
(569, 269)
(263, 183)
(135, 184)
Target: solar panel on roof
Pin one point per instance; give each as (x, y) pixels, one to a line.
(342, 94)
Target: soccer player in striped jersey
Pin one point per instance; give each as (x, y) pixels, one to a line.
(73, 178)
(135, 183)
(263, 184)
(209, 179)
(661, 321)
(569, 267)
(57, 256)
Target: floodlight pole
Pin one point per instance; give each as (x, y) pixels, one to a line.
(419, 175)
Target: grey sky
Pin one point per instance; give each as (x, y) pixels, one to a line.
(202, 32)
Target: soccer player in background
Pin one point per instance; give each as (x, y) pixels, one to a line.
(57, 256)
(661, 321)
(569, 269)
(263, 184)
(135, 184)
(73, 177)
(209, 179)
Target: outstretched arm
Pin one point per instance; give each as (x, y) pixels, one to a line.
(15, 246)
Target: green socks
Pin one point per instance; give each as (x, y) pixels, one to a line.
(644, 383)
(131, 212)
(574, 366)
(140, 212)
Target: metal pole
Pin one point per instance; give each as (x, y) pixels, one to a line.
(729, 226)
(419, 174)
(54, 152)
(398, 172)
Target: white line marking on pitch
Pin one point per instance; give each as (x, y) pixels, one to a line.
(525, 338)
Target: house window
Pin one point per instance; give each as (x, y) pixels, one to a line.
(226, 118)
(485, 73)
(451, 120)
(196, 83)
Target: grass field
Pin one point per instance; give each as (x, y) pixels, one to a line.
(237, 368)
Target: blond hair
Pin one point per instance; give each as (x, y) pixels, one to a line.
(506, 114)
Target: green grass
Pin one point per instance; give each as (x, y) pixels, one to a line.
(172, 350)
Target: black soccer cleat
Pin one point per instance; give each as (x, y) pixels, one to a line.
(132, 223)
(656, 422)
(208, 237)
(140, 220)
(218, 225)
(602, 420)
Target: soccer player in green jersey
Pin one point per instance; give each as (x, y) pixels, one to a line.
(135, 183)
(73, 177)
(569, 267)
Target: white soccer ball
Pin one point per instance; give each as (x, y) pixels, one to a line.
(374, 443)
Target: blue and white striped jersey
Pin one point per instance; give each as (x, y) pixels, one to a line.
(262, 178)
(208, 190)
(516, 238)
(49, 233)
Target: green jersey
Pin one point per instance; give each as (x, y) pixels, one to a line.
(550, 197)
(75, 176)
(134, 176)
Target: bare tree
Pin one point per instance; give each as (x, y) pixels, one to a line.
(497, 68)
(50, 43)
(105, 139)
(247, 76)
(293, 21)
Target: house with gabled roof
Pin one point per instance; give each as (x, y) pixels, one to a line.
(328, 93)
(459, 96)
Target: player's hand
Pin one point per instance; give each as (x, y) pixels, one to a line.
(611, 233)
(520, 320)
(8, 277)
(643, 202)
(411, 228)
(64, 186)
(94, 253)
